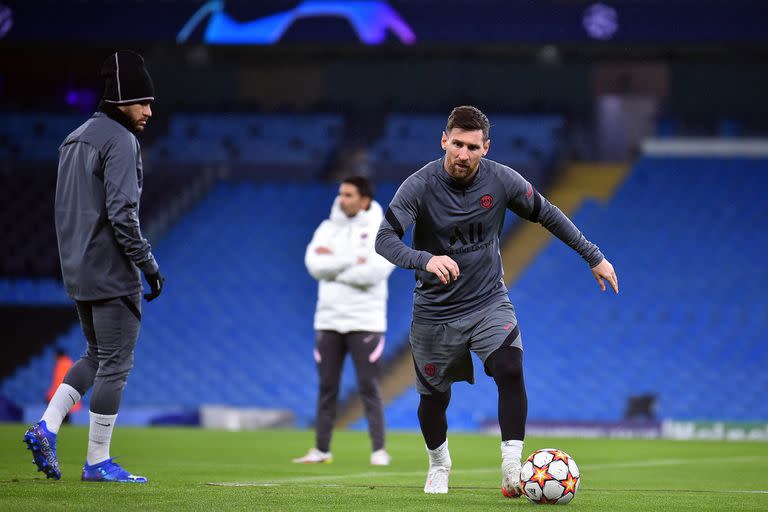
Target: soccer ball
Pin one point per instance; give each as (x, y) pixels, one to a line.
(550, 476)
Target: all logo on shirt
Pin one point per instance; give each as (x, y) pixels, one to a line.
(486, 201)
(474, 234)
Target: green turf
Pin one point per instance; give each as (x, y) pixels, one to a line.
(642, 475)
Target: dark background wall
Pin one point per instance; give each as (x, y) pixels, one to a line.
(311, 78)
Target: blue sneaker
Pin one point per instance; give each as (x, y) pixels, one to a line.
(42, 442)
(108, 471)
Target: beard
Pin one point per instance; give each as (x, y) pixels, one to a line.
(139, 125)
(459, 172)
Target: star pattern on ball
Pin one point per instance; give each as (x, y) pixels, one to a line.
(559, 455)
(569, 484)
(541, 475)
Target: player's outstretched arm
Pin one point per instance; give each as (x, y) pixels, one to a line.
(444, 268)
(604, 270)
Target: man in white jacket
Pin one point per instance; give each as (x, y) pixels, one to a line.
(351, 313)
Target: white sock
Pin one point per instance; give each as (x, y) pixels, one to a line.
(99, 437)
(511, 451)
(63, 400)
(439, 456)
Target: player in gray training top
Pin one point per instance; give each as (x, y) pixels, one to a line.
(457, 205)
(102, 250)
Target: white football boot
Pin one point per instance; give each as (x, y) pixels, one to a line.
(510, 479)
(315, 456)
(381, 458)
(437, 479)
(439, 470)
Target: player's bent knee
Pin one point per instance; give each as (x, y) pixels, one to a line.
(114, 374)
(505, 364)
(436, 398)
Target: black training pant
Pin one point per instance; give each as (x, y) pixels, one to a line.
(331, 348)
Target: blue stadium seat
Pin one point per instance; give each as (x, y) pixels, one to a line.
(528, 143)
(36, 136)
(275, 146)
(688, 239)
(687, 236)
(234, 324)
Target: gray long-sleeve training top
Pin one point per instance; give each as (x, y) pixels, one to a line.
(464, 222)
(98, 190)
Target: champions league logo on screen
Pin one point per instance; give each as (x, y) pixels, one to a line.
(6, 20)
(369, 19)
(601, 21)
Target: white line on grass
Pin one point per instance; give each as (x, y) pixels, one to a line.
(589, 467)
(320, 478)
(272, 484)
(670, 462)
(477, 488)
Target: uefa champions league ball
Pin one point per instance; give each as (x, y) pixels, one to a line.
(550, 476)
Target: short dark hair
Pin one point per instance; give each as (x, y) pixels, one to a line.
(468, 118)
(363, 184)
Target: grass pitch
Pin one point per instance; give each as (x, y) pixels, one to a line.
(192, 469)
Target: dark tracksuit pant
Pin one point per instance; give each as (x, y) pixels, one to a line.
(331, 348)
(111, 327)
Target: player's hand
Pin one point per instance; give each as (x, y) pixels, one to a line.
(444, 268)
(323, 250)
(604, 270)
(155, 284)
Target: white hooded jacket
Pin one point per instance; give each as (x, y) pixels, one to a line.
(352, 296)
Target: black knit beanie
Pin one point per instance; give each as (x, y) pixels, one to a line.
(126, 79)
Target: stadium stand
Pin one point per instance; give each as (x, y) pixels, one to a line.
(27, 217)
(236, 260)
(266, 147)
(532, 143)
(708, 126)
(26, 222)
(34, 137)
(235, 325)
(685, 237)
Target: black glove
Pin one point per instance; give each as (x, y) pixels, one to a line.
(156, 284)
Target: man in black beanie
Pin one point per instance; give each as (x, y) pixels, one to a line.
(102, 250)
(128, 90)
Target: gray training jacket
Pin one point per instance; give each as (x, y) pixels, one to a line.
(464, 222)
(97, 211)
